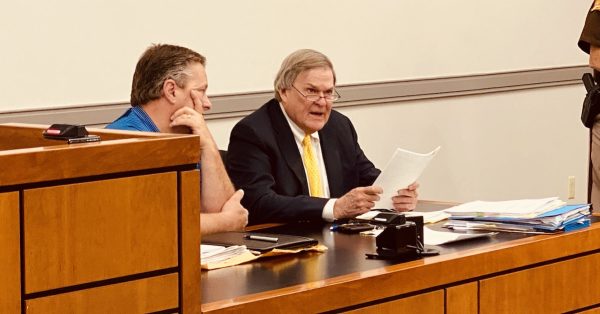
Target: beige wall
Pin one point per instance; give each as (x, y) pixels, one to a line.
(494, 146)
(70, 52)
(507, 145)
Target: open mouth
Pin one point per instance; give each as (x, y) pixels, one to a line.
(317, 114)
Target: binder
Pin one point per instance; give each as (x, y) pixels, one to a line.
(256, 241)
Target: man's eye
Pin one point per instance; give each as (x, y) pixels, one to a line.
(311, 91)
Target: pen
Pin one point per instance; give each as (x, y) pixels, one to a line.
(261, 238)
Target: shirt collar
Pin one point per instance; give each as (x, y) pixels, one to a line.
(145, 118)
(296, 130)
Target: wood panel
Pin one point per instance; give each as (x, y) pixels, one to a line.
(431, 302)
(27, 137)
(462, 299)
(355, 288)
(98, 230)
(139, 296)
(30, 135)
(46, 163)
(10, 280)
(553, 288)
(190, 240)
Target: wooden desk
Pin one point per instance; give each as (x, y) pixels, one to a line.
(508, 273)
(106, 227)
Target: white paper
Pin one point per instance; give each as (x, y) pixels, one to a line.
(514, 208)
(403, 169)
(429, 217)
(216, 253)
(433, 237)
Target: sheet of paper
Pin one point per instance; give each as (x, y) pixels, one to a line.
(430, 217)
(525, 208)
(403, 169)
(215, 253)
(433, 237)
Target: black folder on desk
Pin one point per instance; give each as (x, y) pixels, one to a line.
(258, 241)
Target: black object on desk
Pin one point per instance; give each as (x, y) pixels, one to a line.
(261, 242)
(401, 239)
(72, 133)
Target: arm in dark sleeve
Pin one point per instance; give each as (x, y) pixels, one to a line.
(255, 165)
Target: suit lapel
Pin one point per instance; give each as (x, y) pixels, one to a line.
(287, 143)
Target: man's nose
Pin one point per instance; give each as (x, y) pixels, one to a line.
(206, 104)
(322, 101)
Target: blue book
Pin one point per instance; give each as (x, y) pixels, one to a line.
(562, 210)
(576, 225)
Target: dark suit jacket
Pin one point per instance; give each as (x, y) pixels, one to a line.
(263, 159)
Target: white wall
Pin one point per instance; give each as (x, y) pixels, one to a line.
(496, 146)
(69, 52)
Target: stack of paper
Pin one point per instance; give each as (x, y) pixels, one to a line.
(216, 256)
(529, 215)
(216, 253)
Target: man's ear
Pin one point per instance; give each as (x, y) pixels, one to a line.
(169, 88)
(283, 93)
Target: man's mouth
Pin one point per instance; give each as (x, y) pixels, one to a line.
(317, 114)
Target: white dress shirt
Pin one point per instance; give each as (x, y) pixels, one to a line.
(316, 143)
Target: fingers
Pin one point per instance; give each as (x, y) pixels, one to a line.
(404, 203)
(371, 190)
(186, 116)
(408, 193)
(414, 186)
(184, 112)
(406, 199)
(197, 100)
(356, 202)
(236, 214)
(237, 196)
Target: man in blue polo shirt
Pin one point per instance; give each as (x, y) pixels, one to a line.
(168, 95)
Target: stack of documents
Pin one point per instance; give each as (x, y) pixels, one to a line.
(217, 253)
(529, 216)
(217, 256)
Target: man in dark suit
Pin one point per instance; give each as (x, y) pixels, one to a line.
(590, 43)
(297, 159)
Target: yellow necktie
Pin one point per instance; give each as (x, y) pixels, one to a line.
(312, 168)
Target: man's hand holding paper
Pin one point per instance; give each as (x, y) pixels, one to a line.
(356, 202)
(406, 199)
(398, 179)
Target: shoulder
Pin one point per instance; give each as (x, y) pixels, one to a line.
(129, 122)
(261, 118)
(339, 121)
